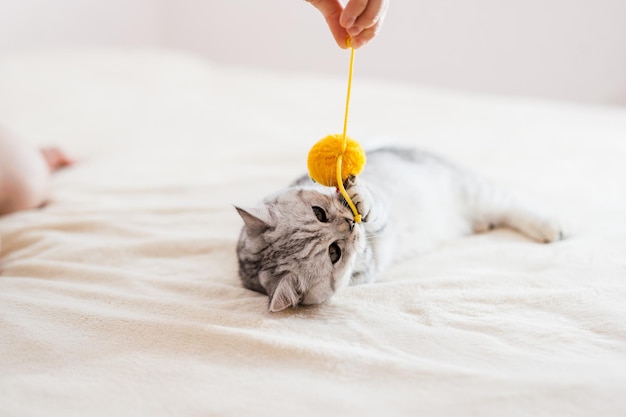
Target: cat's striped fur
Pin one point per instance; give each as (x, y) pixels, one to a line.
(301, 245)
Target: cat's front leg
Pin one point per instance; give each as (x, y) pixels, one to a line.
(361, 197)
(370, 204)
(377, 244)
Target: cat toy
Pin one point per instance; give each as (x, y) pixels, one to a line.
(336, 157)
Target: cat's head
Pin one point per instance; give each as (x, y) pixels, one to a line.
(299, 246)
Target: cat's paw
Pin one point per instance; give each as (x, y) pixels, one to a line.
(360, 195)
(544, 230)
(482, 227)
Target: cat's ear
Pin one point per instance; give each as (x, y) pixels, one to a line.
(284, 296)
(255, 220)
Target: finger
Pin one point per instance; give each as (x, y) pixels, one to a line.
(365, 36)
(331, 10)
(55, 158)
(352, 11)
(372, 16)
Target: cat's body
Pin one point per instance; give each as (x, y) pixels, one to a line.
(301, 245)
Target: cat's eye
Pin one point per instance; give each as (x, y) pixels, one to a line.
(320, 213)
(334, 251)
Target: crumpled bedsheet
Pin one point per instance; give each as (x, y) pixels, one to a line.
(121, 295)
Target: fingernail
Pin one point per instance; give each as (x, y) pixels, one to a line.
(353, 31)
(350, 22)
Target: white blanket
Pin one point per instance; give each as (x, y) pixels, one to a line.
(121, 296)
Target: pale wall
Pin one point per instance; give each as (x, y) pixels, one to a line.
(564, 49)
(49, 23)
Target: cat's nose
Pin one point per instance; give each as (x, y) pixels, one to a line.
(350, 224)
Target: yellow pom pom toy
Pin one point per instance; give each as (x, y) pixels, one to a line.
(323, 156)
(332, 160)
(336, 157)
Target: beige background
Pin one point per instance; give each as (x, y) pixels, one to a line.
(561, 49)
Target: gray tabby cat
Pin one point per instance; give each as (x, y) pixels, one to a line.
(301, 245)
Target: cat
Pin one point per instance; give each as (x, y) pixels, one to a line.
(301, 245)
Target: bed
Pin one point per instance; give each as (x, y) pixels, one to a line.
(121, 295)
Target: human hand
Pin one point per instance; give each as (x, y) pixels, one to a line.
(360, 20)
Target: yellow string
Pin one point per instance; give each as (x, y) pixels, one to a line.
(345, 117)
(357, 216)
